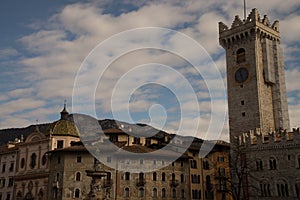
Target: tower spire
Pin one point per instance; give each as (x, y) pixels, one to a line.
(64, 113)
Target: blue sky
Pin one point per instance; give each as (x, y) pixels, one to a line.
(43, 44)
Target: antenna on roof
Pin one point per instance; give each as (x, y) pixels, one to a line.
(244, 10)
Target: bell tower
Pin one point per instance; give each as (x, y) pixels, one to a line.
(255, 75)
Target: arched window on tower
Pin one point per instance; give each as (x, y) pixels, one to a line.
(240, 56)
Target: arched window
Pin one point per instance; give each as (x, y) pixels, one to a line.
(282, 189)
(163, 176)
(154, 176)
(78, 176)
(163, 193)
(141, 192)
(44, 159)
(182, 193)
(77, 193)
(272, 164)
(40, 195)
(174, 193)
(173, 177)
(141, 176)
(240, 56)
(127, 176)
(265, 189)
(154, 193)
(19, 195)
(33, 160)
(259, 165)
(298, 161)
(126, 192)
(181, 178)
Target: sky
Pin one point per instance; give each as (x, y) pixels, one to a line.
(47, 47)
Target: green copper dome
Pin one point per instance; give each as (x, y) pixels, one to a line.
(64, 127)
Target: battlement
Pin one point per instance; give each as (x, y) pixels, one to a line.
(256, 137)
(248, 28)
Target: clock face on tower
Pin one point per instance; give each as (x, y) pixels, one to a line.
(241, 75)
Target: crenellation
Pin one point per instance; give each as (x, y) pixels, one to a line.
(266, 20)
(255, 137)
(236, 22)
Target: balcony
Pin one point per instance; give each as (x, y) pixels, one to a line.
(174, 183)
(140, 182)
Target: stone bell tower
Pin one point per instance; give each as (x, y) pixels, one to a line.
(255, 75)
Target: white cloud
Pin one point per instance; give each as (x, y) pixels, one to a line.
(58, 48)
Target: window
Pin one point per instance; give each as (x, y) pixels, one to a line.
(182, 194)
(181, 164)
(60, 144)
(108, 159)
(299, 161)
(19, 195)
(127, 176)
(2, 182)
(222, 172)
(126, 192)
(141, 176)
(221, 158)
(240, 56)
(22, 162)
(58, 159)
(77, 193)
(242, 102)
(259, 165)
(113, 138)
(57, 177)
(205, 165)
(154, 192)
(136, 140)
(272, 164)
(163, 193)
(40, 195)
(243, 114)
(141, 192)
(283, 190)
(154, 162)
(44, 159)
(163, 176)
(10, 181)
(193, 164)
(265, 190)
(141, 161)
(172, 164)
(173, 177)
(33, 160)
(7, 196)
(3, 167)
(181, 178)
(174, 193)
(78, 158)
(154, 176)
(11, 168)
(297, 188)
(78, 176)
